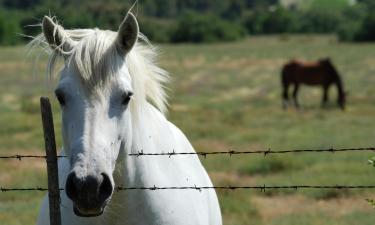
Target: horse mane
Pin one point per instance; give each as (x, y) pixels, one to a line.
(305, 63)
(97, 58)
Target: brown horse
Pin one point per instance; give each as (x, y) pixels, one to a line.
(321, 73)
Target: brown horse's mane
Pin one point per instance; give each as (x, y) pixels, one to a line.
(305, 63)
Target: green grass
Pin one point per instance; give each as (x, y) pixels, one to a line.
(227, 96)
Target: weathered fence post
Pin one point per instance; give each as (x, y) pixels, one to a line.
(51, 158)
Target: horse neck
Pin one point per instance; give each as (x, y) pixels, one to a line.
(151, 134)
(149, 127)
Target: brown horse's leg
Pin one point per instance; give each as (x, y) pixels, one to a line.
(325, 95)
(295, 92)
(285, 95)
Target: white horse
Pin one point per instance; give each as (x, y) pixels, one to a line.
(113, 102)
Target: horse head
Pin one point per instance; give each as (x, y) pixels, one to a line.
(94, 91)
(341, 101)
(328, 65)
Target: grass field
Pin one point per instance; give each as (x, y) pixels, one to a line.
(227, 96)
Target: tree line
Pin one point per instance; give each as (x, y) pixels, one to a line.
(192, 20)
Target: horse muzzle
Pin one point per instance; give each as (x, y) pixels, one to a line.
(87, 213)
(89, 194)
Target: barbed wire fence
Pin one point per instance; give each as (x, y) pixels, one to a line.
(263, 188)
(54, 189)
(227, 153)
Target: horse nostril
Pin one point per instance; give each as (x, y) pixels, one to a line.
(106, 188)
(70, 186)
(90, 190)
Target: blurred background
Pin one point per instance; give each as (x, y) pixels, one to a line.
(198, 20)
(225, 59)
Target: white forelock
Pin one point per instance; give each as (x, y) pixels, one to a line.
(97, 58)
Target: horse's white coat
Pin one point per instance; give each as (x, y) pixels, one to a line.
(98, 135)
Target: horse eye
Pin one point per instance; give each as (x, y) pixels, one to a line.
(126, 98)
(60, 97)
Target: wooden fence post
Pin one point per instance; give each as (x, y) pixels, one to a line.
(51, 158)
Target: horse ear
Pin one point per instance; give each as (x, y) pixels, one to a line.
(56, 36)
(127, 34)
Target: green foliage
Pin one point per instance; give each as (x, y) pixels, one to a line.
(9, 28)
(367, 30)
(358, 30)
(319, 21)
(253, 21)
(164, 20)
(353, 18)
(193, 27)
(20, 4)
(348, 31)
(360, 23)
(329, 5)
(156, 30)
(281, 20)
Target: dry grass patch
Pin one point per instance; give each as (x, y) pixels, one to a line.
(13, 65)
(195, 62)
(237, 93)
(211, 145)
(271, 208)
(179, 107)
(231, 178)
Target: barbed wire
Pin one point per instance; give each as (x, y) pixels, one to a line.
(199, 188)
(263, 152)
(261, 187)
(20, 157)
(24, 189)
(269, 151)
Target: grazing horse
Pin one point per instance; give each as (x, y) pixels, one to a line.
(113, 103)
(321, 73)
